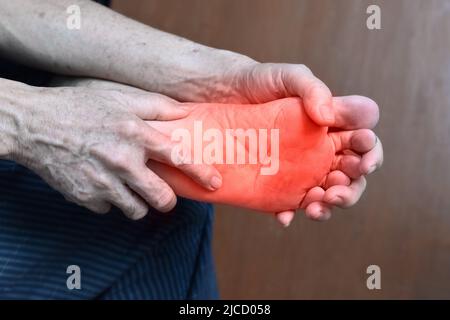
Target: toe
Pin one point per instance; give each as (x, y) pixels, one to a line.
(335, 178)
(355, 112)
(373, 159)
(285, 217)
(345, 196)
(349, 164)
(359, 141)
(313, 195)
(318, 211)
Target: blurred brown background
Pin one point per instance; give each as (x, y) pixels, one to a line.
(402, 223)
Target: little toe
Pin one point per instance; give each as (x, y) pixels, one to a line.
(285, 217)
(318, 211)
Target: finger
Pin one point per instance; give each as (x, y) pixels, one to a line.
(318, 211)
(313, 195)
(100, 207)
(348, 164)
(360, 141)
(355, 112)
(285, 217)
(155, 191)
(152, 106)
(316, 96)
(163, 149)
(345, 196)
(335, 178)
(373, 159)
(128, 202)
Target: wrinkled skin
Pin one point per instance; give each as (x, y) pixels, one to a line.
(92, 145)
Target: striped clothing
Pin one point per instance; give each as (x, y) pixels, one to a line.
(163, 256)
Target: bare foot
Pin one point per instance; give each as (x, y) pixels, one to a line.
(278, 181)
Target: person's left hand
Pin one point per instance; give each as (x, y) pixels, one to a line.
(263, 82)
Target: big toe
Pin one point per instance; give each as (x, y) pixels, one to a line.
(355, 112)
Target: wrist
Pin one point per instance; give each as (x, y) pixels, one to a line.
(214, 77)
(211, 77)
(176, 67)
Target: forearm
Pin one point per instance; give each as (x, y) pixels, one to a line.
(92, 83)
(113, 47)
(12, 99)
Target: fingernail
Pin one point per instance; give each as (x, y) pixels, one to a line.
(327, 114)
(216, 182)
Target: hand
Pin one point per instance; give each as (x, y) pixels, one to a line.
(255, 82)
(93, 145)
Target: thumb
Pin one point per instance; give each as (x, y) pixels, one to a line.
(316, 96)
(318, 103)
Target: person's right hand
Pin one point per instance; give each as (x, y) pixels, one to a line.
(92, 146)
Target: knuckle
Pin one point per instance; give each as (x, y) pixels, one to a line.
(101, 182)
(119, 160)
(129, 128)
(98, 180)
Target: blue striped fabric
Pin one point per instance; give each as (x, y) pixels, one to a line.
(163, 256)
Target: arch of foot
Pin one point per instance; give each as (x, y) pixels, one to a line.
(269, 154)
